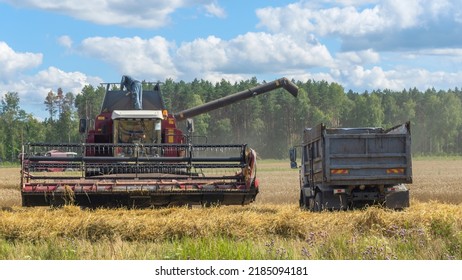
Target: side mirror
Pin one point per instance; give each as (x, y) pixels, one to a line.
(83, 126)
(293, 157)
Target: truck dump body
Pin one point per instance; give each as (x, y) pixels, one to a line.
(348, 166)
(363, 156)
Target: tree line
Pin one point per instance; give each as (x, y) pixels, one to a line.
(270, 123)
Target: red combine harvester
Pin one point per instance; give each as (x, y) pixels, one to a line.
(140, 158)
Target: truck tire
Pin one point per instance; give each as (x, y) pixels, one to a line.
(318, 202)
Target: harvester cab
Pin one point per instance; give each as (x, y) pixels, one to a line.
(120, 123)
(140, 158)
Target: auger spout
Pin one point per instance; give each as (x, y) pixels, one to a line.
(239, 96)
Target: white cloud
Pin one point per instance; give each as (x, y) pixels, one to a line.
(375, 78)
(216, 77)
(213, 9)
(256, 52)
(147, 59)
(244, 55)
(136, 13)
(451, 52)
(300, 18)
(65, 41)
(13, 62)
(350, 2)
(202, 55)
(265, 55)
(359, 78)
(315, 76)
(33, 89)
(404, 14)
(424, 79)
(52, 78)
(277, 51)
(293, 18)
(358, 57)
(388, 16)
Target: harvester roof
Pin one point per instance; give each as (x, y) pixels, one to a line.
(121, 100)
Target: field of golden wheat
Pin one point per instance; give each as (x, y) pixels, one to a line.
(271, 228)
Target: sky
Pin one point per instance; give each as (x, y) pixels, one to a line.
(362, 45)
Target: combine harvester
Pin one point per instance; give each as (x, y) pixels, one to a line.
(140, 158)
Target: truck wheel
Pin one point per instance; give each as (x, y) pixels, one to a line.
(318, 202)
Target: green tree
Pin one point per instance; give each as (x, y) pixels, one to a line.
(89, 102)
(330, 99)
(270, 123)
(366, 110)
(12, 119)
(50, 103)
(220, 127)
(451, 121)
(68, 119)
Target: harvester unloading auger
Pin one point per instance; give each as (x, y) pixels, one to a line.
(140, 158)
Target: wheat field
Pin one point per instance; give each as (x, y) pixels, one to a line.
(273, 227)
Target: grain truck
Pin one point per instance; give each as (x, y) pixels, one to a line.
(345, 168)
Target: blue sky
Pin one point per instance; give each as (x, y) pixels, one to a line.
(362, 45)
